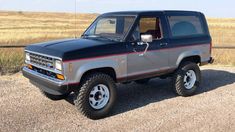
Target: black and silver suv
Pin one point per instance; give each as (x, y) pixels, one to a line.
(121, 47)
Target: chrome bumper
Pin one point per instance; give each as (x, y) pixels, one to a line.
(45, 83)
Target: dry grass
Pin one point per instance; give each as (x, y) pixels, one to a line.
(222, 31)
(224, 56)
(22, 28)
(25, 28)
(11, 60)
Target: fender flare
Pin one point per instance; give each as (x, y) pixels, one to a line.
(187, 54)
(96, 65)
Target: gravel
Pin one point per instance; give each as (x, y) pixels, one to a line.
(152, 107)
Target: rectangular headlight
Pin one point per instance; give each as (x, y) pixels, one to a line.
(27, 57)
(58, 65)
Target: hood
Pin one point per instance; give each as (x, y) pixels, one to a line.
(60, 48)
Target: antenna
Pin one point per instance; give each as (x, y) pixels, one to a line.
(75, 18)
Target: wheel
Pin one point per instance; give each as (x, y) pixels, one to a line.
(54, 97)
(186, 79)
(96, 96)
(142, 81)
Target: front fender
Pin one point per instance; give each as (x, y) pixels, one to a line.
(119, 66)
(79, 67)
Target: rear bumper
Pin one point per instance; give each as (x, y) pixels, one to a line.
(210, 61)
(45, 83)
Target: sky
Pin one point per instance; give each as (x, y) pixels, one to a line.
(211, 8)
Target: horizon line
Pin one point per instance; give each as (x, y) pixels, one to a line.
(69, 12)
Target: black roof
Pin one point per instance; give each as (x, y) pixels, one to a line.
(150, 12)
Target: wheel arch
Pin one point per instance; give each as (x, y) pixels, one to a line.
(194, 56)
(106, 70)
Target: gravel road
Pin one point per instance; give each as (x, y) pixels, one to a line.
(152, 107)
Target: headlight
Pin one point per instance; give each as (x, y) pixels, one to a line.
(27, 57)
(58, 65)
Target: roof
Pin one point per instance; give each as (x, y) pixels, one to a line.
(148, 12)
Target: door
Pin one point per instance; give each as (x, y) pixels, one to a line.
(155, 60)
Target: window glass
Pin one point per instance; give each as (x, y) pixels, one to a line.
(128, 21)
(151, 26)
(136, 34)
(110, 27)
(107, 25)
(185, 25)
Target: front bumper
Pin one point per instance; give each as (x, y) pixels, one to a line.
(45, 83)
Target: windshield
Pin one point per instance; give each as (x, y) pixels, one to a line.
(110, 27)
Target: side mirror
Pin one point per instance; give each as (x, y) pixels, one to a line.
(146, 38)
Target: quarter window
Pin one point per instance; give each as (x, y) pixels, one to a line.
(185, 25)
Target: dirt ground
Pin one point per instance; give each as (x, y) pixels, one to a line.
(152, 107)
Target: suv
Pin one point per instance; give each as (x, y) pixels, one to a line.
(121, 47)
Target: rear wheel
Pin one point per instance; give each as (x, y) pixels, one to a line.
(96, 96)
(186, 79)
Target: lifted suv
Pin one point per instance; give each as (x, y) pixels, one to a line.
(121, 47)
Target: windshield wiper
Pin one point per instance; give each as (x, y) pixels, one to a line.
(84, 35)
(106, 38)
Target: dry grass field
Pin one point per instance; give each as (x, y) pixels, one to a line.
(22, 28)
(222, 31)
(11, 60)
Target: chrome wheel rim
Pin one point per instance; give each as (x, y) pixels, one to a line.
(99, 96)
(190, 79)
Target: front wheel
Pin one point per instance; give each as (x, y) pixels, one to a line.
(96, 96)
(186, 79)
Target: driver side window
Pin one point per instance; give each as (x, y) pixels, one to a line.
(147, 25)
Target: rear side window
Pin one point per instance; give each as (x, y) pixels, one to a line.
(185, 26)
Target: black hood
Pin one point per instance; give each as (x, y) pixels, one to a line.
(69, 49)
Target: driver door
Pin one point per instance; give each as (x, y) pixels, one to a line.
(155, 60)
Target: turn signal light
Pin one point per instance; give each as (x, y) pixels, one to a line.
(30, 66)
(61, 77)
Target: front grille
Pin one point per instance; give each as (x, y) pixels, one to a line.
(44, 72)
(42, 61)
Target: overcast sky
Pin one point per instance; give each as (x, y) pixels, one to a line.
(212, 8)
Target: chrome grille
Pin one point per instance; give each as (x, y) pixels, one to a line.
(42, 61)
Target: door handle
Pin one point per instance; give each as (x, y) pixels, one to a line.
(163, 44)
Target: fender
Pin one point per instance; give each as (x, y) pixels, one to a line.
(186, 54)
(95, 65)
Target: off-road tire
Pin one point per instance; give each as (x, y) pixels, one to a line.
(81, 100)
(54, 97)
(142, 81)
(178, 79)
